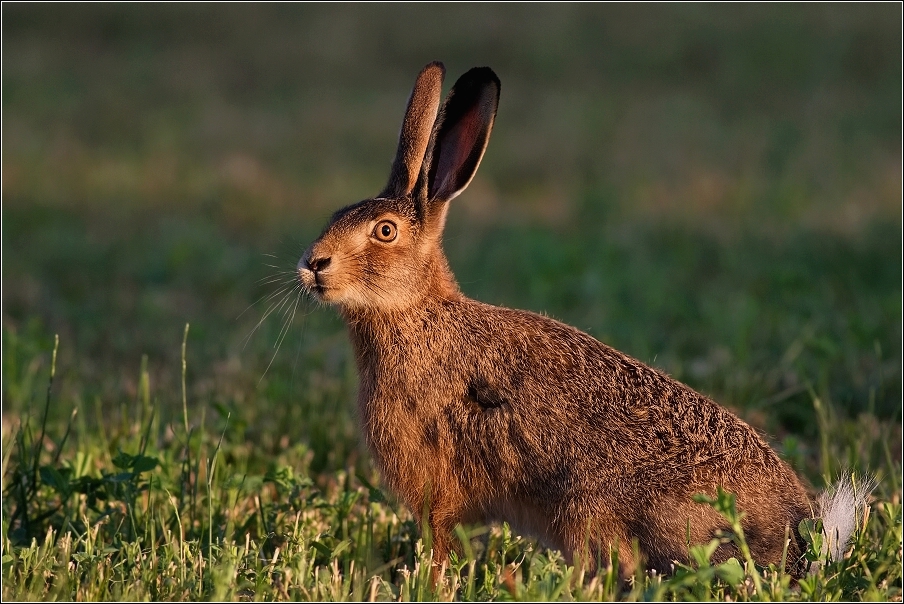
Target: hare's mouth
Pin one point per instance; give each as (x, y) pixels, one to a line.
(321, 292)
(316, 289)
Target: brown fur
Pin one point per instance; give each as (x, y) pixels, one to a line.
(476, 413)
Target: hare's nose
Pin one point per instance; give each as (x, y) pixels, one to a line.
(318, 264)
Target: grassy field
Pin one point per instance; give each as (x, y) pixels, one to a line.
(715, 190)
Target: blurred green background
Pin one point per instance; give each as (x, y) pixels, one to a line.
(714, 189)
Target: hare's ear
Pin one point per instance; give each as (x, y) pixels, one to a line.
(461, 134)
(416, 130)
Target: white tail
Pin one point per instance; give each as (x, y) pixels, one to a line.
(841, 508)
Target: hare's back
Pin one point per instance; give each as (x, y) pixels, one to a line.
(604, 408)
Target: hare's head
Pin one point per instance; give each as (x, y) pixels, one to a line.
(384, 253)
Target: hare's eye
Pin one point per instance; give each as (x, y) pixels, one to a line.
(385, 231)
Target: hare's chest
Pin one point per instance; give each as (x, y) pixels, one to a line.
(408, 442)
(400, 415)
(404, 410)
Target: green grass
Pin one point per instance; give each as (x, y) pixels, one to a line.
(714, 190)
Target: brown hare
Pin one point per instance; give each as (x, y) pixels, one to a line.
(476, 413)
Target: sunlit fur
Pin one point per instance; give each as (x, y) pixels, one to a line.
(476, 413)
(366, 274)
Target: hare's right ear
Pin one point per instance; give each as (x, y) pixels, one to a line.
(461, 135)
(416, 130)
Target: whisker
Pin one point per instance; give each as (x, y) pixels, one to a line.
(285, 312)
(285, 327)
(274, 307)
(282, 289)
(288, 276)
(282, 336)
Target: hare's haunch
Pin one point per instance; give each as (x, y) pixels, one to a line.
(476, 413)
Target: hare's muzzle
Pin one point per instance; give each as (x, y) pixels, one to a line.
(310, 272)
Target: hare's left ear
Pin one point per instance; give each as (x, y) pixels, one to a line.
(460, 135)
(417, 128)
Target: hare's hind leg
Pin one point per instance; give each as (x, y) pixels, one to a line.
(675, 524)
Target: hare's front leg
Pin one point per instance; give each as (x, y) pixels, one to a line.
(441, 531)
(444, 513)
(591, 538)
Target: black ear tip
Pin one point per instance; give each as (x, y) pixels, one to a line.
(482, 75)
(478, 78)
